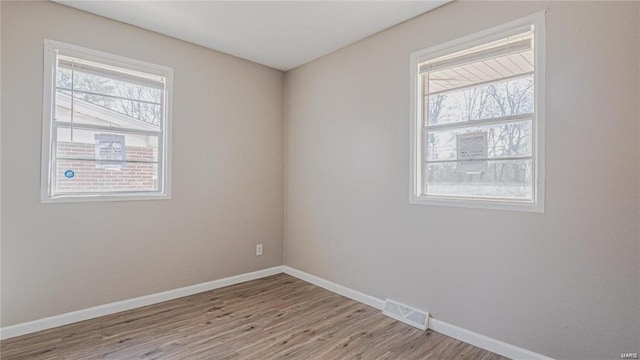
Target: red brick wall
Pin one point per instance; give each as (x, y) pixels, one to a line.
(91, 178)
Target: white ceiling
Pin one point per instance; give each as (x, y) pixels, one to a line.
(279, 34)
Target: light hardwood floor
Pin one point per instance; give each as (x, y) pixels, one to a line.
(279, 317)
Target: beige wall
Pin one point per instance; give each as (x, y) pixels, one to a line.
(564, 283)
(227, 175)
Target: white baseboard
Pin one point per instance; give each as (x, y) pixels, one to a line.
(336, 288)
(473, 338)
(484, 342)
(115, 307)
(440, 326)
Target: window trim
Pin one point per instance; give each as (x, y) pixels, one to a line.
(48, 141)
(538, 122)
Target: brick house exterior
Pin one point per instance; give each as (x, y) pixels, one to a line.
(93, 176)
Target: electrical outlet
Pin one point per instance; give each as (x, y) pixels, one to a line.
(258, 249)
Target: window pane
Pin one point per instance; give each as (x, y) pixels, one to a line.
(90, 177)
(504, 140)
(106, 85)
(500, 99)
(83, 145)
(105, 111)
(508, 179)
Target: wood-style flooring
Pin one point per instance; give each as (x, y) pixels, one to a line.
(278, 317)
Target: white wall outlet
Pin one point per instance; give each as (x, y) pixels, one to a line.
(258, 249)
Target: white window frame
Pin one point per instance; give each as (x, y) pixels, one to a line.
(49, 136)
(538, 145)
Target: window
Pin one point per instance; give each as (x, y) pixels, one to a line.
(477, 124)
(106, 133)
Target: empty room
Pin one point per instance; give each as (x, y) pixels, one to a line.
(319, 180)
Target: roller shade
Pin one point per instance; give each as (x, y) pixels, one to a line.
(506, 58)
(155, 82)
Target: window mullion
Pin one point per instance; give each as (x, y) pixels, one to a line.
(506, 158)
(480, 122)
(72, 158)
(109, 129)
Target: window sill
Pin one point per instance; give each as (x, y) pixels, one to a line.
(536, 207)
(104, 197)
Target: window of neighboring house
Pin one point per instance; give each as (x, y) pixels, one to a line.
(477, 132)
(106, 126)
